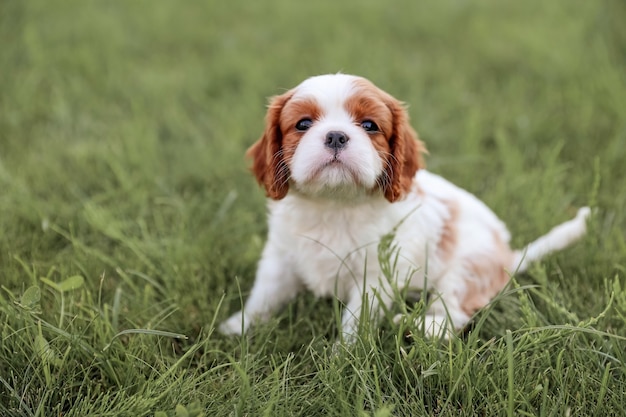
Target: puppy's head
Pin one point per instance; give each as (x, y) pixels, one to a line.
(337, 135)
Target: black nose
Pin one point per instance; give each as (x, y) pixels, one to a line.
(336, 140)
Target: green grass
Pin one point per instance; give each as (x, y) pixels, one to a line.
(129, 225)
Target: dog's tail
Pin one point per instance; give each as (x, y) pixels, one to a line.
(556, 239)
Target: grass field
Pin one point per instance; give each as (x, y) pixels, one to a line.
(130, 226)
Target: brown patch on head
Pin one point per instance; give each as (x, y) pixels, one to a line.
(273, 151)
(397, 142)
(488, 276)
(449, 233)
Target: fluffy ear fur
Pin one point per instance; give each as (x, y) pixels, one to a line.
(268, 164)
(406, 153)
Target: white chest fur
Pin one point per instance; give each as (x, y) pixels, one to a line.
(333, 246)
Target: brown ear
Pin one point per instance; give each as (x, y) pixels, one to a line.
(268, 164)
(406, 153)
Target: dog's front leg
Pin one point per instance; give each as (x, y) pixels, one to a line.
(353, 311)
(274, 286)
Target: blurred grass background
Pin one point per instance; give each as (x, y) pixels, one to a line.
(122, 132)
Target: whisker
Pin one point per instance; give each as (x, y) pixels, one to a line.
(384, 180)
(283, 175)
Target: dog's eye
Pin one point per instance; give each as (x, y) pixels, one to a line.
(304, 124)
(369, 126)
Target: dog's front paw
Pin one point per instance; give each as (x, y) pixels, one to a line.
(434, 326)
(437, 327)
(234, 325)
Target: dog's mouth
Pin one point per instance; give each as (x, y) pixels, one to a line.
(335, 171)
(334, 161)
(334, 165)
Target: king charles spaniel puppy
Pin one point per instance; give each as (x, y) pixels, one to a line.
(342, 168)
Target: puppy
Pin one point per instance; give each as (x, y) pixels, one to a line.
(342, 168)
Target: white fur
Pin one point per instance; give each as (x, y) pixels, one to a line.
(324, 235)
